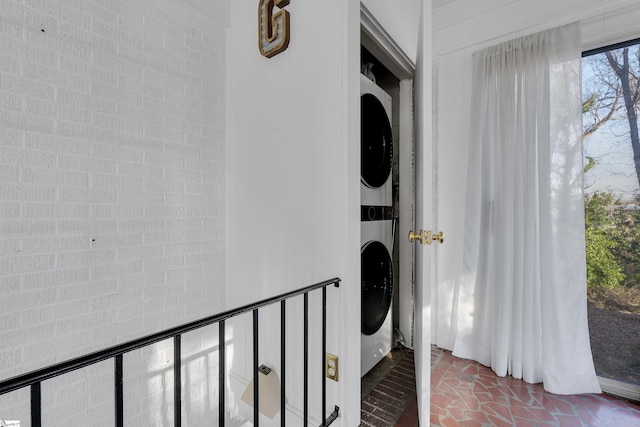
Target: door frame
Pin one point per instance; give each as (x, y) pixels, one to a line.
(378, 42)
(416, 107)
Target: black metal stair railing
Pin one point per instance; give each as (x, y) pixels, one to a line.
(35, 378)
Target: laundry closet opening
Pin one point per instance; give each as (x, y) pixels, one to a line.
(387, 201)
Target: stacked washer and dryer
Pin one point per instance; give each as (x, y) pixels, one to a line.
(376, 226)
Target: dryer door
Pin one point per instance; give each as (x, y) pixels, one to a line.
(376, 145)
(377, 285)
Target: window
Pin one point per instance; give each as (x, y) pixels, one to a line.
(611, 102)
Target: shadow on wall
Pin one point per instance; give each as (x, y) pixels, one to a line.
(152, 403)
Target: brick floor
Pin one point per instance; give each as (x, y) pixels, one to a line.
(464, 392)
(392, 399)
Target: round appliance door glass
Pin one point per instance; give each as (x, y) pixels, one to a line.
(376, 144)
(377, 285)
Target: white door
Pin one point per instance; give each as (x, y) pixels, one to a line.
(424, 214)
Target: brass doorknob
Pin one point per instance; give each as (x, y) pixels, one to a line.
(423, 236)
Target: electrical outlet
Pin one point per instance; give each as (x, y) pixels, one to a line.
(332, 367)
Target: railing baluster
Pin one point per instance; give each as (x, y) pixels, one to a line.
(283, 347)
(36, 405)
(119, 390)
(177, 381)
(306, 360)
(324, 354)
(221, 374)
(256, 379)
(35, 378)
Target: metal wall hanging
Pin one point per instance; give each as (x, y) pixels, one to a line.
(273, 28)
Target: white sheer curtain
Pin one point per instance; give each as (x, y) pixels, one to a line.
(524, 252)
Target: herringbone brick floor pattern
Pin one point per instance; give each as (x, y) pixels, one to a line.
(393, 393)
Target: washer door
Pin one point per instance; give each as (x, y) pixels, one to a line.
(376, 144)
(377, 285)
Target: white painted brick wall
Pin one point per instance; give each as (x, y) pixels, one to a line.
(112, 200)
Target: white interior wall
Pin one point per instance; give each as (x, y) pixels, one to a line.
(294, 178)
(401, 20)
(112, 198)
(286, 171)
(219, 10)
(294, 191)
(460, 28)
(462, 24)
